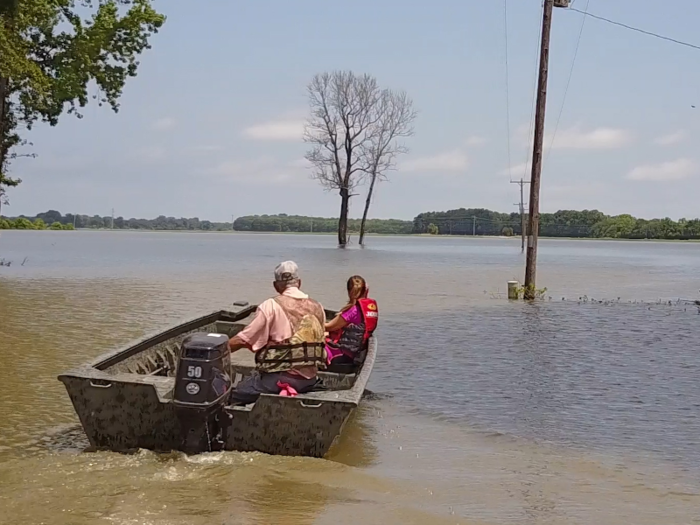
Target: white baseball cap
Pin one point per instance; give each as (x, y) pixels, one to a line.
(286, 271)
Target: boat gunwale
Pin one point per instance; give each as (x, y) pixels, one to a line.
(135, 346)
(156, 337)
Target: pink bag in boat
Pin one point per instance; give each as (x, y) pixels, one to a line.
(286, 390)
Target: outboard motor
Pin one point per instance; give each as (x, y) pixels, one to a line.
(202, 387)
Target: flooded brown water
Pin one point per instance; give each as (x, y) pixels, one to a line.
(484, 411)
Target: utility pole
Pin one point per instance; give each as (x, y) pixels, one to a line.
(75, 216)
(474, 226)
(232, 222)
(534, 215)
(523, 226)
(112, 218)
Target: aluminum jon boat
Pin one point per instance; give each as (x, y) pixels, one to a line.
(145, 396)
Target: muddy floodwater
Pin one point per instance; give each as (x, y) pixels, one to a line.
(483, 411)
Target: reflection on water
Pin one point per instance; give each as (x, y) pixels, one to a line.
(486, 411)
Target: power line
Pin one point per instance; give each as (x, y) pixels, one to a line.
(568, 82)
(509, 221)
(469, 218)
(505, 24)
(469, 225)
(522, 183)
(620, 24)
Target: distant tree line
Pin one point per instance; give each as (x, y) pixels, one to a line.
(297, 223)
(563, 223)
(22, 223)
(69, 220)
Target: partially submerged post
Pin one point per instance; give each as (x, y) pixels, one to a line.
(534, 215)
(513, 289)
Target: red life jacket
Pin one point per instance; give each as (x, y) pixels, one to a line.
(370, 313)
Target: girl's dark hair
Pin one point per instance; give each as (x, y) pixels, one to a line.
(357, 288)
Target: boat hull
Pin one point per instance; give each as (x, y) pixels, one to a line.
(123, 411)
(125, 416)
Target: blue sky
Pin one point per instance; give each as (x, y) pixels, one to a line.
(211, 127)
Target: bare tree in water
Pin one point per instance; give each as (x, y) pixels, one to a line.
(340, 129)
(394, 120)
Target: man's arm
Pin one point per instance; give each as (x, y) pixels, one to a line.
(254, 336)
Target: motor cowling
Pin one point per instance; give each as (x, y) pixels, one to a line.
(202, 387)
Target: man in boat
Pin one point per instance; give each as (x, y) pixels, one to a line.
(287, 337)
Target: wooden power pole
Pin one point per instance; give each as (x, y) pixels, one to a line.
(534, 215)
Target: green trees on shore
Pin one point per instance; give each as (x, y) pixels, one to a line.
(251, 223)
(296, 223)
(68, 221)
(564, 223)
(628, 227)
(479, 221)
(22, 223)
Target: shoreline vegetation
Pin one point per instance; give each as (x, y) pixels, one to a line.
(564, 224)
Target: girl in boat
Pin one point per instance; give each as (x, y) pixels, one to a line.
(349, 331)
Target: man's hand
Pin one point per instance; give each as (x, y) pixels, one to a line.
(236, 343)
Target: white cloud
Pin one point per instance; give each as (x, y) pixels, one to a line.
(671, 139)
(475, 140)
(164, 123)
(519, 170)
(264, 171)
(575, 190)
(577, 138)
(280, 130)
(151, 153)
(599, 138)
(666, 171)
(206, 148)
(524, 131)
(300, 163)
(449, 161)
(57, 163)
(576, 195)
